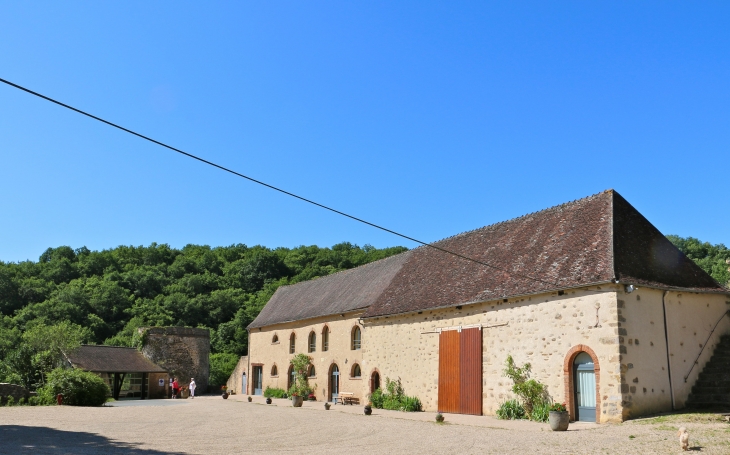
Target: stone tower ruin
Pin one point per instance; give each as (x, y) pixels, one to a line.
(182, 351)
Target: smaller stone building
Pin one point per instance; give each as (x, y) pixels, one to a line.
(182, 351)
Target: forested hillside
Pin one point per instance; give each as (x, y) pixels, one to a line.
(81, 296)
(712, 258)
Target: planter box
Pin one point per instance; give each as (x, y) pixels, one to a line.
(559, 420)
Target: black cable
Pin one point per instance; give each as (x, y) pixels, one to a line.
(189, 155)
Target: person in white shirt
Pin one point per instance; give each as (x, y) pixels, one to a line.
(192, 387)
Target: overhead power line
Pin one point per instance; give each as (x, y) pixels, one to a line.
(238, 174)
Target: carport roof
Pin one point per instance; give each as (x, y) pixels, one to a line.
(100, 359)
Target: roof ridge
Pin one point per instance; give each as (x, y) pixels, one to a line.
(107, 346)
(515, 219)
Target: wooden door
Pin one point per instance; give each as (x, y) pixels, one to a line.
(460, 371)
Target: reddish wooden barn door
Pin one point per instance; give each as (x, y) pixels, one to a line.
(449, 360)
(470, 369)
(460, 371)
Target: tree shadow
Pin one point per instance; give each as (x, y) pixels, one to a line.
(17, 439)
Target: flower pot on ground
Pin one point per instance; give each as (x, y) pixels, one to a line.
(297, 401)
(559, 417)
(268, 400)
(327, 406)
(439, 418)
(224, 395)
(368, 410)
(250, 399)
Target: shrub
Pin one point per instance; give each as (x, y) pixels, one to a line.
(10, 401)
(511, 410)
(376, 398)
(394, 398)
(530, 391)
(79, 388)
(540, 412)
(300, 363)
(22, 402)
(273, 392)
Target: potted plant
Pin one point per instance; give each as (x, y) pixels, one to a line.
(268, 400)
(225, 392)
(368, 408)
(311, 397)
(300, 388)
(439, 417)
(559, 417)
(250, 399)
(327, 406)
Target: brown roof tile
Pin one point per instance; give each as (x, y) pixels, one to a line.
(592, 240)
(339, 293)
(111, 359)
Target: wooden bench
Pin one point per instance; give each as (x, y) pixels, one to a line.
(347, 398)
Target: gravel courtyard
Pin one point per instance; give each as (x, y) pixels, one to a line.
(210, 425)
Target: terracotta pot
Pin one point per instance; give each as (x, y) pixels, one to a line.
(559, 421)
(297, 401)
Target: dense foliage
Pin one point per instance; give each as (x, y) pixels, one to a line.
(534, 400)
(79, 388)
(301, 387)
(711, 258)
(222, 365)
(78, 296)
(394, 398)
(274, 392)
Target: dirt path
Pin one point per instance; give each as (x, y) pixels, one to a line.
(210, 425)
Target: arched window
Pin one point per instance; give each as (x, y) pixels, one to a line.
(312, 341)
(292, 343)
(275, 339)
(325, 339)
(355, 344)
(291, 377)
(312, 373)
(274, 371)
(356, 373)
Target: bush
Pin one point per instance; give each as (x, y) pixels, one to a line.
(10, 401)
(221, 367)
(79, 388)
(273, 392)
(531, 392)
(540, 412)
(394, 398)
(511, 410)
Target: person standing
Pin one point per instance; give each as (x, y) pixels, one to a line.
(175, 388)
(192, 387)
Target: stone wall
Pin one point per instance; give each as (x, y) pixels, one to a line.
(690, 318)
(182, 351)
(265, 351)
(235, 381)
(12, 390)
(541, 329)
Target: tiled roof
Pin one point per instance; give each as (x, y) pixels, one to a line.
(594, 240)
(598, 239)
(339, 293)
(111, 359)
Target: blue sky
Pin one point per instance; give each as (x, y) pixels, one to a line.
(428, 118)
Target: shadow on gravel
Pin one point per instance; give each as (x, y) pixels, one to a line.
(16, 439)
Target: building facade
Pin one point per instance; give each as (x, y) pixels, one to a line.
(613, 319)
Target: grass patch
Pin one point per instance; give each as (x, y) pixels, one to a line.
(688, 417)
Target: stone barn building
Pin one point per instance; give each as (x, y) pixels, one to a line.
(613, 318)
